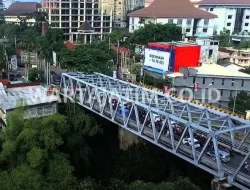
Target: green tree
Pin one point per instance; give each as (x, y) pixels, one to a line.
(245, 70)
(3, 58)
(86, 58)
(30, 151)
(82, 127)
(51, 41)
(224, 38)
(131, 164)
(33, 74)
(115, 36)
(245, 45)
(156, 33)
(242, 102)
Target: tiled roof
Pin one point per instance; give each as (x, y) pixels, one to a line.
(21, 8)
(85, 26)
(225, 2)
(172, 9)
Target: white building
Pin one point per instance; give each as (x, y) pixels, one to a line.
(213, 76)
(193, 21)
(77, 18)
(19, 10)
(233, 15)
(209, 50)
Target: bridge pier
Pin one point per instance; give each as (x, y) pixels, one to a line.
(127, 138)
(220, 184)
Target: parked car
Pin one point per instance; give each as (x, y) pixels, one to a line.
(224, 156)
(189, 142)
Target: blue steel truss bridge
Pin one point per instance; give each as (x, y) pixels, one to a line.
(213, 141)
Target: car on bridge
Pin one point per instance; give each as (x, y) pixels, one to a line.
(189, 142)
(224, 156)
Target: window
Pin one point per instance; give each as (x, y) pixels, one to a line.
(204, 30)
(39, 111)
(206, 21)
(247, 17)
(211, 9)
(221, 92)
(133, 20)
(170, 21)
(179, 22)
(228, 24)
(246, 24)
(189, 21)
(242, 83)
(232, 82)
(204, 80)
(223, 80)
(229, 16)
(188, 30)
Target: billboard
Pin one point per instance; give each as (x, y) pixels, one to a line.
(157, 59)
(13, 62)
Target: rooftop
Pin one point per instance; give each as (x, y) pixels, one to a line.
(86, 27)
(32, 95)
(21, 8)
(172, 9)
(217, 70)
(225, 2)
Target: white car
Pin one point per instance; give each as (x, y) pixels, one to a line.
(188, 141)
(156, 117)
(173, 123)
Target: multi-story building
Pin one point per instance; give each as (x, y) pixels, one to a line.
(77, 18)
(133, 4)
(19, 10)
(213, 76)
(233, 15)
(2, 6)
(194, 21)
(118, 9)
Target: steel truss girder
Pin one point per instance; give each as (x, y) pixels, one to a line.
(96, 93)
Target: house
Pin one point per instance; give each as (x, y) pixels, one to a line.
(38, 102)
(19, 10)
(183, 13)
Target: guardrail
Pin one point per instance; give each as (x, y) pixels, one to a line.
(193, 101)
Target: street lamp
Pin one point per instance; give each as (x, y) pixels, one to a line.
(235, 96)
(209, 85)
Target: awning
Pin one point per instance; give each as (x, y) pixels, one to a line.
(174, 75)
(155, 70)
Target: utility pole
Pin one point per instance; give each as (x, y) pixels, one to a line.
(117, 61)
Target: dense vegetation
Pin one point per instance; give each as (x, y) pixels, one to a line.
(61, 152)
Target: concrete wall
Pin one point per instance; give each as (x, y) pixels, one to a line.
(127, 138)
(226, 87)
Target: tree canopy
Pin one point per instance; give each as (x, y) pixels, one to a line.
(242, 102)
(156, 33)
(246, 70)
(47, 153)
(224, 38)
(86, 58)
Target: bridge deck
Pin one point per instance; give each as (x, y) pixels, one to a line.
(168, 122)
